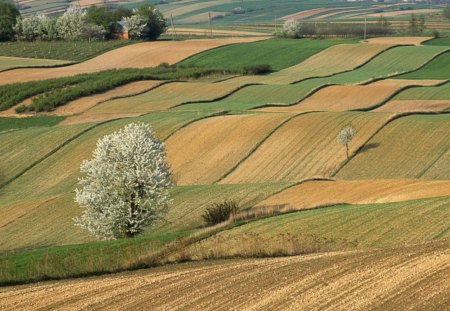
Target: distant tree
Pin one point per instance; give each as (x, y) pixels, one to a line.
(135, 26)
(92, 32)
(155, 23)
(446, 12)
(125, 185)
(102, 16)
(70, 24)
(8, 18)
(122, 12)
(292, 29)
(345, 136)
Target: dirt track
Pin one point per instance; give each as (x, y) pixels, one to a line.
(147, 54)
(408, 278)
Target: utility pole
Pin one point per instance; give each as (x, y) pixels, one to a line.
(365, 29)
(210, 25)
(174, 33)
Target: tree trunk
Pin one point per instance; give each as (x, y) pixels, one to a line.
(346, 147)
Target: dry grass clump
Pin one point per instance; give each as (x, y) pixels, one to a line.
(219, 212)
(254, 245)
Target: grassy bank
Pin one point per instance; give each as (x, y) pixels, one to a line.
(20, 123)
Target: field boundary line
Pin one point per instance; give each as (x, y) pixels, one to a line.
(237, 89)
(386, 123)
(395, 93)
(264, 139)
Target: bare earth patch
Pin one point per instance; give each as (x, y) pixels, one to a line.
(408, 278)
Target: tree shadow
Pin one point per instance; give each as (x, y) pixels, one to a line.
(370, 146)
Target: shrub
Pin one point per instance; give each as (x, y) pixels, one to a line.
(21, 108)
(261, 69)
(219, 212)
(436, 34)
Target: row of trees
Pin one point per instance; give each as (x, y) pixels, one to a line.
(94, 23)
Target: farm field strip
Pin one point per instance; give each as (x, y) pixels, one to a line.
(414, 106)
(61, 171)
(299, 156)
(21, 148)
(388, 63)
(435, 69)
(351, 97)
(441, 92)
(84, 103)
(312, 194)
(347, 56)
(377, 279)
(140, 55)
(165, 97)
(204, 151)
(423, 141)
(369, 225)
(7, 63)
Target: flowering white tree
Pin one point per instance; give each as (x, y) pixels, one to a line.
(70, 24)
(125, 186)
(292, 28)
(345, 136)
(135, 25)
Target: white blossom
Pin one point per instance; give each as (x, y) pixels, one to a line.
(134, 25)
(125, 186)
(70, 24)
(345, 136)
(292, 28)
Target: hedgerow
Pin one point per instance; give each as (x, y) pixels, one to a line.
(57, 92)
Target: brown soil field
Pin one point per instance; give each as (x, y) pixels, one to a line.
(407, 278)
(350, 97)
(319, 193)
(306, 147)
(414, 105)
(399, 40)
(204, 151)
(84, 103)
(140, 55)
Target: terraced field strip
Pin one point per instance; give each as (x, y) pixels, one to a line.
(345, 57)
(351, 97)
(57, 175)
(435, 69)
(213, 32)
(20, 149)
(399, 13)
(321, 193)
(16, 62)
(84, 103)
(416, 146)
(165, 97)
(183, 9)
(371, 225)
(388, 63)
(204, 151)
(146, 54)
(306, 13)
(399, 40)
(414, 106)
(441, 92)
(412, 278)
(305, 147)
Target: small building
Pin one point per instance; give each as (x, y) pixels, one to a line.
(122, 32)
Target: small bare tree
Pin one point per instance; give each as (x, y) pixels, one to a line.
(345, 136)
